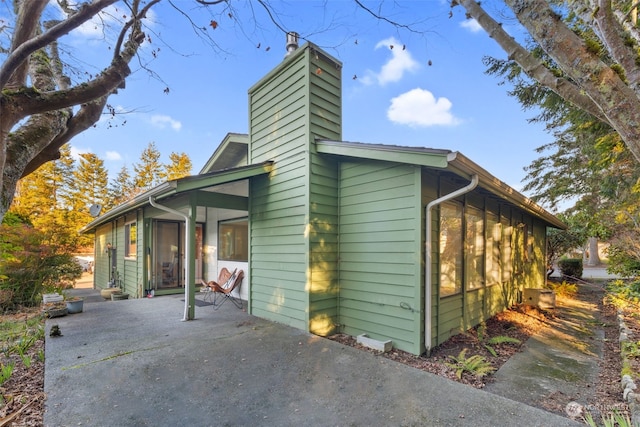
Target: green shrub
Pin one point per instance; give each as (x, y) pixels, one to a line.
(30, 265)
(622, 260)
(621, 292)
(571, 267)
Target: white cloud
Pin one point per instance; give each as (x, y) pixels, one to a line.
(97, 26)
(394, 69)
(471, 25)
(76, 152)
(419, 108)
(113, 155)
(108, 20)
(162, 121)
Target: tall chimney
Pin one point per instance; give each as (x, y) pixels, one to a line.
(292, 42)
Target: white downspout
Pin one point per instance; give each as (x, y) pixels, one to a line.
(428, 256)
(187, 252)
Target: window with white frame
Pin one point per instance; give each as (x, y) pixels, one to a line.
(130, 240)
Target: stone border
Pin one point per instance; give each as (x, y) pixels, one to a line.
(629, 388)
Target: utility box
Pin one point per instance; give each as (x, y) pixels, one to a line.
(542, 298)
(383, 346)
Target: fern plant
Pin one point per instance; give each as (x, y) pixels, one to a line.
(488, 343)
(475, 364)
(501, 339)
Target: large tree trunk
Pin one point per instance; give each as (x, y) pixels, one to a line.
(594, 254)
(591, 85)
(36, 103)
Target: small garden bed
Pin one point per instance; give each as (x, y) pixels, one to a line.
(520, 323)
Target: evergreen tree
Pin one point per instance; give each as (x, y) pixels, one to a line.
(91, 179)
(64, 179)
(120, 189)
(89, 187)
(179, 167)
(35, 195)
(150, 171)
(46, 198)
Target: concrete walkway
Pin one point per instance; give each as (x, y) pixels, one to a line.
(135, 363)
(590, 273)
(556, 367)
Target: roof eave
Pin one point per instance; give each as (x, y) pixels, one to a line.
(181, 185)
(417, 156)
(462, 165)
(163, 190)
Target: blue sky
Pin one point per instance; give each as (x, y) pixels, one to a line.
(430, 90)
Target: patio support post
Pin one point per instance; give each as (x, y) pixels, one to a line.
(429, 256)
(189, 296)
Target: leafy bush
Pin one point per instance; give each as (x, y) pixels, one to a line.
(623, 261)
(621, 292)
(571, 267)
(560, 242)
(30, 265)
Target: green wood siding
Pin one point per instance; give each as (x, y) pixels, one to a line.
(278, 245)
(293, 212)
(449, 317)
(429, 191)
(380, 253)
(324, 122)
(119, 253)
(130, 270)
(474, 308)
(323, 246)
(101, 262)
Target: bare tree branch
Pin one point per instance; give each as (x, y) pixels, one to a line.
(211, 2)
(23, 50)
(593, 84)
(385, 19)
(25, 29)
(531, 65)
(86, 117)
(612, 35)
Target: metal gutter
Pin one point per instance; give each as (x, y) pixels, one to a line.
(428, 256)
(188, 300)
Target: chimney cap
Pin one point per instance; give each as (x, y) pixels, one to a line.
(292, 42)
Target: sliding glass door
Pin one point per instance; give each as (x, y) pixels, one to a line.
(168, 254)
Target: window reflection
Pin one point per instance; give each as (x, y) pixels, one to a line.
(234, 240)
(450, 249)
(474, 272)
